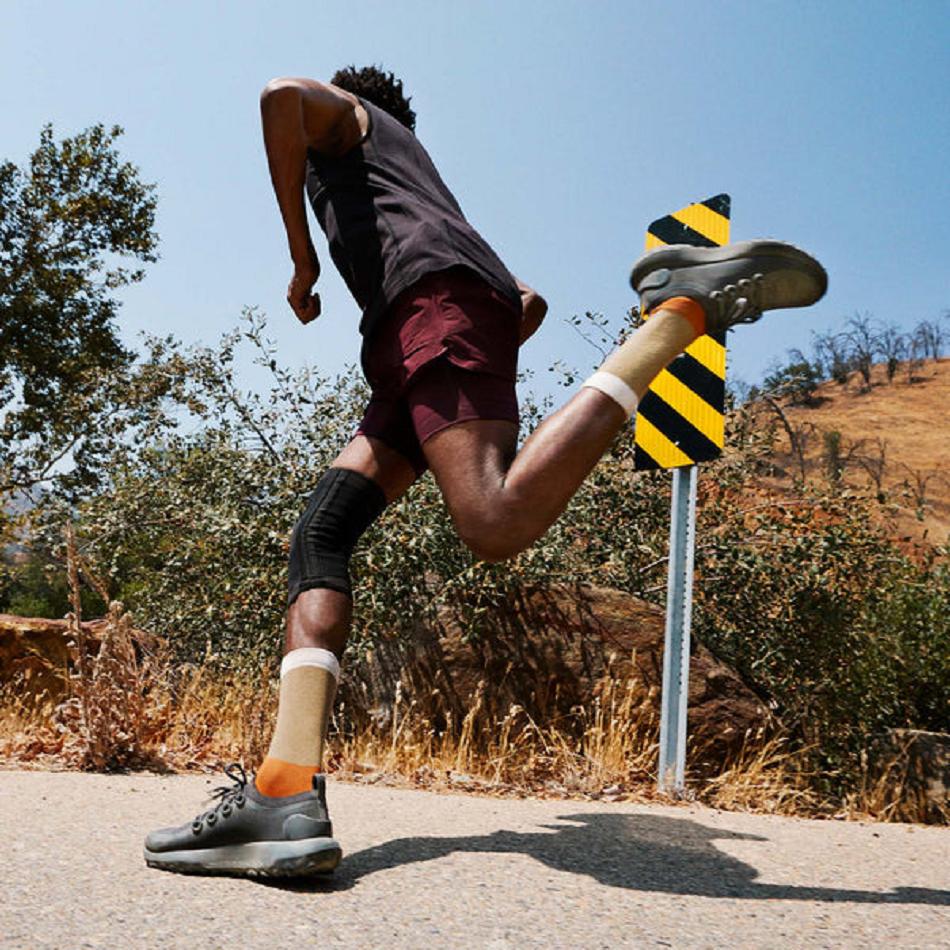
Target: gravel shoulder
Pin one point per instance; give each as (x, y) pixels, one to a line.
(450, 870)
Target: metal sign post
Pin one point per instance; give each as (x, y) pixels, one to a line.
(681, 422)
(679, 604)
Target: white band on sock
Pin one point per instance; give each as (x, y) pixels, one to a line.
(615, 388)
(311, 656)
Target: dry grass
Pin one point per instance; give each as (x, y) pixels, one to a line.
(613, 755)
(189, 720)
(766, 777)
(129, 709)
(890, 792)
(126, 707)
(199, 720)
(911, 422)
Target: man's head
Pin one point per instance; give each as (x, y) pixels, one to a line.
(381, 88)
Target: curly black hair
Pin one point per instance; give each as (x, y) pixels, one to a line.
(379, 87)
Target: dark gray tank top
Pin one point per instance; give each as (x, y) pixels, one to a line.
(390, 220)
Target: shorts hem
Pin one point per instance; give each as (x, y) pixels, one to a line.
(418, 465)
(447, 424)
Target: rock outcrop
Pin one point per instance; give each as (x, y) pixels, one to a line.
(35, 654)
(920, 761)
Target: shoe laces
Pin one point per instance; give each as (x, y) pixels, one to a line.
(740, 302)
(226, 797)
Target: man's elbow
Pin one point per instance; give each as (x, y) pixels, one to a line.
(535, 306)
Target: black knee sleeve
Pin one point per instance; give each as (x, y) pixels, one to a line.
(343, 505)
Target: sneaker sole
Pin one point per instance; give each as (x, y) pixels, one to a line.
(302, 858)
(684, 255)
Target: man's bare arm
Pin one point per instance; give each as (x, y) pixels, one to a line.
(298, 114)
(533, 310)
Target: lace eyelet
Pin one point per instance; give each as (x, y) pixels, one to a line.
(196, 827)
(239, 801)
(211, 819)
(226, 811)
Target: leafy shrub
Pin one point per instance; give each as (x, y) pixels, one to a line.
(811, 602)
(34, 585)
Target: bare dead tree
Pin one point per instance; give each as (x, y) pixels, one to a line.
(799, 436)
(915, 360)
(932, 337)
(831, 350)
(874, 463)
(893, 347)
(838, 454)
(863, 344)
(917, 484)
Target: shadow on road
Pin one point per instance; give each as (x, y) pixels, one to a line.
(638, 852)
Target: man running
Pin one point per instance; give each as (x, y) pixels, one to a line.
(442, 321)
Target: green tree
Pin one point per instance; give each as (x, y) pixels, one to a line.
(76, 224)
(802, 591)
(797, 379)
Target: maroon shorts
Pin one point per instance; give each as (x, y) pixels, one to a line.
(446, 352)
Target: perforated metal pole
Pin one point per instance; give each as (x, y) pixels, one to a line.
(679, 606)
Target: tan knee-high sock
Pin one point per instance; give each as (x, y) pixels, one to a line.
(629, 370)
(308, 679)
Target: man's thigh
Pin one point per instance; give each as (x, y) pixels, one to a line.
(469, 461)
(391, 470)
(467, 425)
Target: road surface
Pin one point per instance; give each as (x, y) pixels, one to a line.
(432, 871)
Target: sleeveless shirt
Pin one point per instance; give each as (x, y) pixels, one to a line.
(390, 219)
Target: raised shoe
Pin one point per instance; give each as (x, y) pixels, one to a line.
(734, 283)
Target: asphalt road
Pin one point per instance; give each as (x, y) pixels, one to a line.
(426, 870)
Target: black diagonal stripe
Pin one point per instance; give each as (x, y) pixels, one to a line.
(643, 461)
(684, 435)
(720, 204)
(693, 375)
(671, 231)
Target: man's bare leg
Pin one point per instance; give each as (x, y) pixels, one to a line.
(318, 624)
(501, 506)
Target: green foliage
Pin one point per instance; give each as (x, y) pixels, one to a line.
(834, 464)
(34, 585)
(797, 379)
(812, 603)
(69, 221)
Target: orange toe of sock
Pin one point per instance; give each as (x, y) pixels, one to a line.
(277, 779)
(688, 308)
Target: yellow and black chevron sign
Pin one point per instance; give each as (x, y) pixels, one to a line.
(680, 419)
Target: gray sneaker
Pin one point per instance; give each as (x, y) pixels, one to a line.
(249, 834)
(734, 283)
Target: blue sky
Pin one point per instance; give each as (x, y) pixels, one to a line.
(563, 127)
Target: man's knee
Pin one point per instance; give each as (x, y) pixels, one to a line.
(343, 505)
(491, 536)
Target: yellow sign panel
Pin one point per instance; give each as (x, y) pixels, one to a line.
(680, 419)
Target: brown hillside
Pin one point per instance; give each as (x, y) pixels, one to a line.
(897, 433)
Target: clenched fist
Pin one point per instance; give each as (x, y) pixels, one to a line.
(305, 305)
